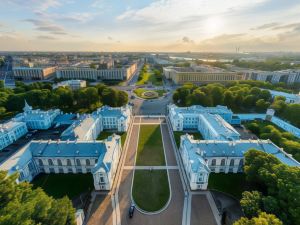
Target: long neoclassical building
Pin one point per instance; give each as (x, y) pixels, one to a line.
(77, 151)
(222, 150)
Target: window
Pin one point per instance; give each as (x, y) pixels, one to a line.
(51, 170)
(213, 162)
(50, 162)
(88, 163)
(241, 162)
(61, 170)
(40, 162)
(223, 162)
(69, 162)
(59, 162)
(78, 162)
(232, 162)
(70, 170)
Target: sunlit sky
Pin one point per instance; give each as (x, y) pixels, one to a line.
(144, 25)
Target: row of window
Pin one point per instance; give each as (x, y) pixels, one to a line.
(214, 162)
(69, 163)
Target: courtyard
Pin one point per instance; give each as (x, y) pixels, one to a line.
(105, 134)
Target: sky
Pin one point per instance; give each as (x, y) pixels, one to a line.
(153, 26)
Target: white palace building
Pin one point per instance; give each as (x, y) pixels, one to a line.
(222, 150)
(78, 151)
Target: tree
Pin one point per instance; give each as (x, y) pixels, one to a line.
(1, 84)
(262, 105)
(262, 219)
(217, 95)
(229, 99)
(21, 204)
(251, 203)
(122, 98)
(110, 97)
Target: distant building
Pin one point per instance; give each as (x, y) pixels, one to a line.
(73, 84)
(28, 73)
(10, 132)
(97, 157)
(181, 75)
(123, 73)
(285, 76)
(201, 157)
(37, 119)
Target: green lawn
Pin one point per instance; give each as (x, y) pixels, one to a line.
(59, 185)
(150, 148)
(177, 134)
(139, 92)
(104, 134)
(149, 76)
(150, 189)
(230, 183)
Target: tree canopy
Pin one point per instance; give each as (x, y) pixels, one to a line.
(41, 95)
(21, 204)
(279, 186)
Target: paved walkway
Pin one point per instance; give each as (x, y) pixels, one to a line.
(150, 168)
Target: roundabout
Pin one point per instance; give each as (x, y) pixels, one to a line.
(149, 94)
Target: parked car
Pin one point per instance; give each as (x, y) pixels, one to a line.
(131, 210)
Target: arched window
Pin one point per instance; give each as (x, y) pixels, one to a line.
(232, 162)
(78, 162)
(41, 162)
(59, 162)
(50, 162)
(223, 162)
(88, 163)
(69, 162)
(213, 162)
(241, 162)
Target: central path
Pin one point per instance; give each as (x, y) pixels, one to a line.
(173, 213)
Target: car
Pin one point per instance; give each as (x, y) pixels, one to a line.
(131, 210)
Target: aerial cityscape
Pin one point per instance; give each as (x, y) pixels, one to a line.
(152, 112)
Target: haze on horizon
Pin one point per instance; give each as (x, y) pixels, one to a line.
(144, 25)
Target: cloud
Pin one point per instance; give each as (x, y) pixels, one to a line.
(287, 26)
(187, 40)
(39, 5)
(99, 4)
(46, 37)
(176, 10)
(265, 26)
(110, 38)
(47, 26)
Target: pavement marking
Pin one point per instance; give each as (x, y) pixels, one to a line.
(150, 167)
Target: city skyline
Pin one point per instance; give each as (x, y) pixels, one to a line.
(161, 25)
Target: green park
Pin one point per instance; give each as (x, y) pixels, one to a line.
(150, 189)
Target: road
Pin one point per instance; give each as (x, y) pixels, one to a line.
(184, 208)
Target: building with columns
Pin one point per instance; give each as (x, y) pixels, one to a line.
(202, 157)
(37, 119)
(97, 157)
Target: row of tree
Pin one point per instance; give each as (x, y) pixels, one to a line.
(283, 139)
(268, 65)
(21, 204)
(239, 96)
(42, 96)
(278, 191)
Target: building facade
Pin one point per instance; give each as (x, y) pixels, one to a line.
(97, 157)
(181, 75)
(73, 84)
(10, 132)
(37, 119)
(289, 98)
(28, 73)
(123, 73)
(202, 157)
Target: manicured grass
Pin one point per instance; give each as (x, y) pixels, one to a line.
(230, 183)
(150, 148)
(104, 134)
(139, 92)
(60, 185)
(150, 189)
(177, 134)
(149, 76)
